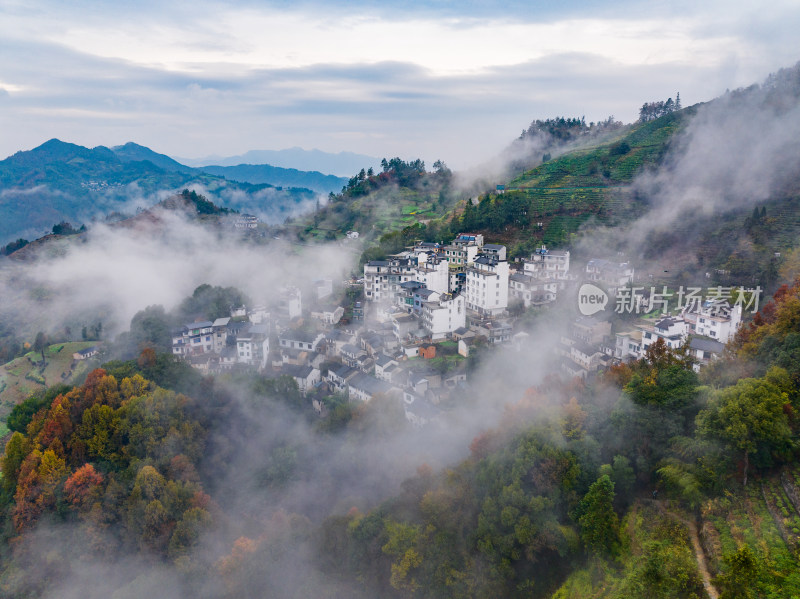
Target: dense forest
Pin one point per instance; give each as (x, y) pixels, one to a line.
(578, 486)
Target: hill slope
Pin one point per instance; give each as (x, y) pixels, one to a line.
(62, 181)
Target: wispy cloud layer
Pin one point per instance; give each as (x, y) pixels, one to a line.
(440, 81)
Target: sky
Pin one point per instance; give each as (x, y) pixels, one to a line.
(446, 80)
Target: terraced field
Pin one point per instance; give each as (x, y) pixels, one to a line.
(25, 375)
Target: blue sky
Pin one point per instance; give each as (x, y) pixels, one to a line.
(450, 80)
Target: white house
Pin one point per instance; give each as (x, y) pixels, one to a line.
(252, 345)
(440, 318)
(717, 320)
(365, 387)
(305, 376)
(220, 330)
(328, 315)
(460, 255)
(704, 350)
(382, 278)
(494, 251)
(434, 274)
(292, 339)
(193, 339)
(290, 304)
(612, 275)
(487, 286)
(673, 331)
(384, 365)
(85, 354)
(530, 290)
(338, 379)
(548, 264)
(469, 239)
(628, 345)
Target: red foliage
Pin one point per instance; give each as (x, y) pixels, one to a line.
(58, 423)
(181, 468)
(147, 357)
(83, 486)
(480, 446)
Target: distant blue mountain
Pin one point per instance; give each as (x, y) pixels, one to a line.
(131, 152)
(343, 164)
(274, 175)
(244, 173)
(62, 181)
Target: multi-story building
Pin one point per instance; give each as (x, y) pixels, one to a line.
(487, 286)
(628, 345)
(302, 340)
(589, 329)
(290, 304)
(434, 274)
(458, 278)
(548, 264)
(220, 330)
(530, 290)
(382, 278)
(193, 339)
(718, 320)
(494, 251)
(469, 239)
(252, 345)
(440, 318)
(612, 275)
(673, 331)
(460, 255)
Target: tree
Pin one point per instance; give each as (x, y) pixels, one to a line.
(750, 416)
(40, 343)
(741, 578)
(597, 518)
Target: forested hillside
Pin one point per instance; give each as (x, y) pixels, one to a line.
(60, 181)
(606, 489)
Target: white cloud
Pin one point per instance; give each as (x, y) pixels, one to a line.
(207, 78)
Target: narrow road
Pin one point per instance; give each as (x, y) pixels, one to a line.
(702, 564)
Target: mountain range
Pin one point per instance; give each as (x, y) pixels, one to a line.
(60, 181)
(343, 164)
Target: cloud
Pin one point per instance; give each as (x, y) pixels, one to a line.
(115, 272)
(450, 81)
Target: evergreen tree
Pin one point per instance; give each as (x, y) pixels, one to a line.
(597, 519)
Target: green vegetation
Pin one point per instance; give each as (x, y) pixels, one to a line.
(404, 194)
(88, 181)
(25, 376)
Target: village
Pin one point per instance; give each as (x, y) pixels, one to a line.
(410, 325)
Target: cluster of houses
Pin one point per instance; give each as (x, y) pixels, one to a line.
(321, 353)
(425, 302)
(706, 326)
(432, 290)
(435, 291)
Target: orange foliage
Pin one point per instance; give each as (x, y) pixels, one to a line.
(146, 358)
(618, 375)
(83, 486)
(480, 446)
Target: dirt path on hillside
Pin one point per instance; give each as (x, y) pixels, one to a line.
(702, 563)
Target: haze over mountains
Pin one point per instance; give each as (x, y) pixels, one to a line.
(60, 181)
(342, 164)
